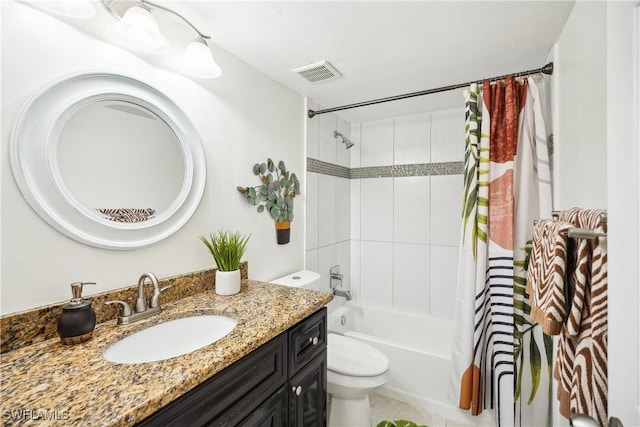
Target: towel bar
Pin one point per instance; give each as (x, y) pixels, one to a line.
(556, 214)
(582, 233)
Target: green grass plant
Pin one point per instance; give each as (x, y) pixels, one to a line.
(226, 248)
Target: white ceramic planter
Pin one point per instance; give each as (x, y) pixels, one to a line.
(227, 282)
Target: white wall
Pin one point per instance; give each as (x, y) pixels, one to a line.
(623, 157)
(596, 166)
(327, 210)
(405, 229)
(579, 119)
(242, 117)
(580, 149)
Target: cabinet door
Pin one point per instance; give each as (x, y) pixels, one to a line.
(272, 413)
(307, 394)
(307, 339)
(231, 394)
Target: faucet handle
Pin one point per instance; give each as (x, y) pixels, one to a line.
(335, 278)
(126, 309)
(155, 299)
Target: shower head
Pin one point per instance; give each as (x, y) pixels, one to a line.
(347, 144)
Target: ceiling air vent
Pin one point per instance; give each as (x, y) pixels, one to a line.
(318, 72)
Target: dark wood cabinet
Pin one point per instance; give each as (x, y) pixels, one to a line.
(282, 383)
(273, 412)
(308, 398)
(307, 339)
(308, 372)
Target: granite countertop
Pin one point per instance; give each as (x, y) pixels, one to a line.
(52, 384)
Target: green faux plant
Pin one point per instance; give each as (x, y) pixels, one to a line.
(398, 423)
(226, 248)
(277, 191)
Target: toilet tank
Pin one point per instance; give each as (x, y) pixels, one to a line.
(305, 279)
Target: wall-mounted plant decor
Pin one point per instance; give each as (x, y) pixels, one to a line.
(275, 195)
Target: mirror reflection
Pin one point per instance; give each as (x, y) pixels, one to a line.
(121, 161)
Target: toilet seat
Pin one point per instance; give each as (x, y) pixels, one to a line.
(355, 358)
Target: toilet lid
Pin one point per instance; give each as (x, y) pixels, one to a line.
(348, 356)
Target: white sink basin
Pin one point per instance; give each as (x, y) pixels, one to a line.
(170, 339)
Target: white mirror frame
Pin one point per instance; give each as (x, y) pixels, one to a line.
(33, 147)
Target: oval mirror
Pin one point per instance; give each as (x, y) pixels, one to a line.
(108, 160)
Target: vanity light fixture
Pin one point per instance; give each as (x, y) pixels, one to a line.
(198, 61)
(138, 28)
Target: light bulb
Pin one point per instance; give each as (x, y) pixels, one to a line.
(197, 60)
(139, 30)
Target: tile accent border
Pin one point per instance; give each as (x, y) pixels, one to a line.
(326, 168)
(417, 169)
(39, 324)
(421, 169)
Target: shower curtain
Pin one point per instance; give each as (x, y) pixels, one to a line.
(500, 358)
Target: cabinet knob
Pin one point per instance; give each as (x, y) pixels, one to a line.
(297, 390)
(313, 340)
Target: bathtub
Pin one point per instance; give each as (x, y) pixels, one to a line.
(419, 352)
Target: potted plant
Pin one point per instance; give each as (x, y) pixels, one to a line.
(275, 195)
(226, 249)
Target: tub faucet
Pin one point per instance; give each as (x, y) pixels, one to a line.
(335, 281)
(142, 310)
(340, 293)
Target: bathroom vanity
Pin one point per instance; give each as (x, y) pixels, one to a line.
(269, 370)
(281, 383)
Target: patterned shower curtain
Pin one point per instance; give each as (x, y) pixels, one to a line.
(501, 359)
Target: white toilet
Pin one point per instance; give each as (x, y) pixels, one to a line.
(354, 368)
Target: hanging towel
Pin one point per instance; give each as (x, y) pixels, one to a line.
(581, 367)
(546, 274)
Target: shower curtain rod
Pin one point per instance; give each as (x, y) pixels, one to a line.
(547, 69)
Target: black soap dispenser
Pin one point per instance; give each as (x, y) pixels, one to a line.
(78, 320)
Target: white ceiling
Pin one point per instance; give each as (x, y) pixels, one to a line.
(382, 48)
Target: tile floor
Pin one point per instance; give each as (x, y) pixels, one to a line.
(384, 408)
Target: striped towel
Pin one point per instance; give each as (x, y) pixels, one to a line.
(581, 362)
(546, 275)
(129, 215)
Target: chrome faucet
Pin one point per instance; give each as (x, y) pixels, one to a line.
(340, 293)
(142, 310)
(141, 302)
(335, 281)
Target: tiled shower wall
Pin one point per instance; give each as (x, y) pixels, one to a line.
(392, 218)
(327, 207)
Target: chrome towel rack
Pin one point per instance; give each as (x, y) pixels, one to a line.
(582, 233)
